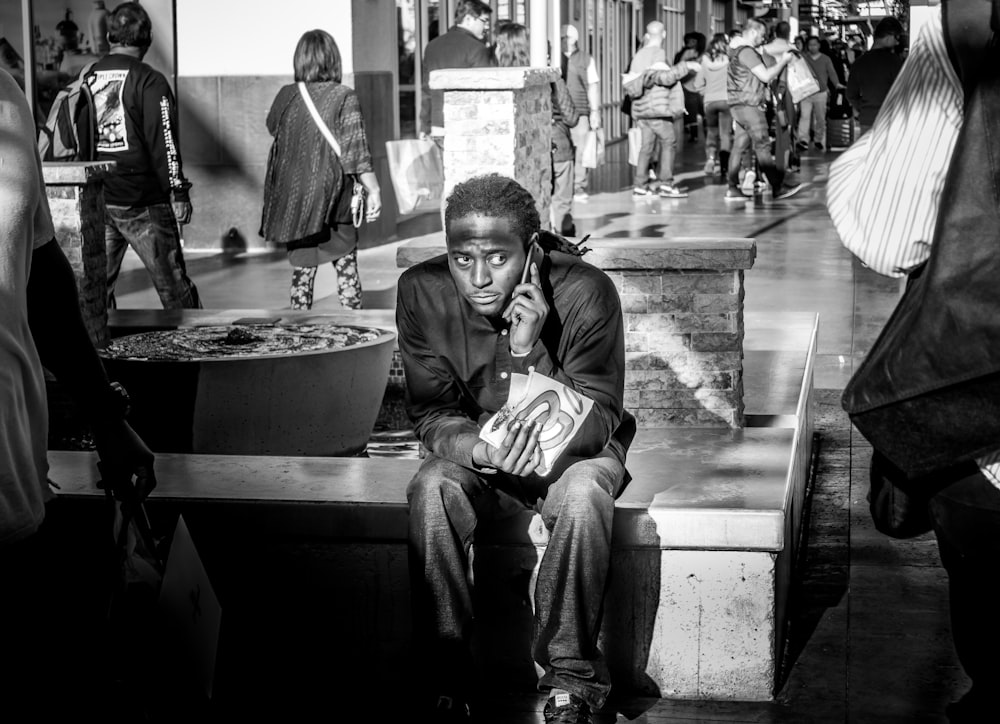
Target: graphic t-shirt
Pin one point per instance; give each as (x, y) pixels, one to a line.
(137, 129)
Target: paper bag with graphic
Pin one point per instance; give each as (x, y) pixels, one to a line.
(560, 410)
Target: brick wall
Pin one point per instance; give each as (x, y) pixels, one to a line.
(499, 120)
(76, 200)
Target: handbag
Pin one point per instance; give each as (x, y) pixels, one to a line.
(593, 148)
(634, 144)
(801, 81)
(359, 194)
(927, 395)
(417, 173)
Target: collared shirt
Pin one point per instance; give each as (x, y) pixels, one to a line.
(885, 203)
(458, 363)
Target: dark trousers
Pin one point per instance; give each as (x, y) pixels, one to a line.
(750, 125)
(966, 517)
(446, 502)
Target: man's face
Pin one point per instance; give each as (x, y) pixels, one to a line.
(568, 44)
(812, 47)
(477, 25)
(486, 259)
(754, 35)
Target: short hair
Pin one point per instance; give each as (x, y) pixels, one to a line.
(783, 30)
(129, 25)
(471, 8)
(317, 58)
(888, 26)
(758, 23)
(496, 197)
(512, 48)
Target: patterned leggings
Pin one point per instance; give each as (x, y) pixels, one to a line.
(348, 283)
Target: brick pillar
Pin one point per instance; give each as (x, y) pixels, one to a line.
(683, 305)
(76, 199)
(499, 120)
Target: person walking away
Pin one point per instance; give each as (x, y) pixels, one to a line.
(747, 89)
(694, 108)
(812, 109)
(513, 50)
(873, 74)
(579, 71)
(658, 100)
(146, 196)
(505, 299)
(462, 46)
(711, 79)
(308, 185)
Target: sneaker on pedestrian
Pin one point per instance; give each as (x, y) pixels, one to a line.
(581, 197)
(641, 191)
(787, 191)
(449, 710)
(565, 708)
(710, 166)
(802, 146)
(734, 194)
(749, 182)
(669, 191)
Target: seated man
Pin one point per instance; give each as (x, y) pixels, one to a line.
(468, 320)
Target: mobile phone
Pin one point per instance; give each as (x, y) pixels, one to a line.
(532, 257)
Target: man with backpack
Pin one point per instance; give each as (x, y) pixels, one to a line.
(147, 195)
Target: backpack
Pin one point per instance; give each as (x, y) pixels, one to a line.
(69, 133)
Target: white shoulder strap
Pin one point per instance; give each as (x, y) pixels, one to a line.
(324, 129)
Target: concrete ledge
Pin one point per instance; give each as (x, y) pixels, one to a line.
(481, 79)
(633, 254)
(77, 173)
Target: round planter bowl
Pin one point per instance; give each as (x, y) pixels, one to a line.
(318, 403)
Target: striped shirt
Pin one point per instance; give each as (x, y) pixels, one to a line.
(884, 192)
(889, 225)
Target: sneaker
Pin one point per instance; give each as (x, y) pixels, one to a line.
(787, 191)
(449, 710)
(565, 708)
(736, 195)
(710, 166)
(749, 182)
(641, 191)
(581, 197)
(669, 191)
(802, 146)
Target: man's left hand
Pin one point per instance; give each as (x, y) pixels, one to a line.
(182, 210)
(526, 313)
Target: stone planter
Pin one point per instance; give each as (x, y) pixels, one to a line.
(321, 402)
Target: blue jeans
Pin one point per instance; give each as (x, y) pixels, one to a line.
(750, 125)
(152, 232)
(446, 503)
(718, 129)
(653, 130)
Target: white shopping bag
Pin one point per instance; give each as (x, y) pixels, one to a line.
(634, 144)
(417, 172)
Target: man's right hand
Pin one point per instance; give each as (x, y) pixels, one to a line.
(519, 454)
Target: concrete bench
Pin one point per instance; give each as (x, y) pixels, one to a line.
(704, 536)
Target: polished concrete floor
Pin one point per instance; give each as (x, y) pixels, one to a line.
(869, 637)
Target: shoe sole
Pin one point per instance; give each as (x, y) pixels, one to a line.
(736, 198)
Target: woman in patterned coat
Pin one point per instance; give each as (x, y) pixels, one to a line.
(308, 187)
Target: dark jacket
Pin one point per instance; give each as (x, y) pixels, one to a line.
(743, 88)
(458, 48)
(137, 129)
(565, 114)
(457, 363)
(574, 72)
(872, 75)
